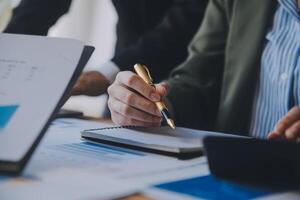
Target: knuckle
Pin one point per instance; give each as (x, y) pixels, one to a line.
(109, 89)
(131, 80)
(126, 110)
(119, 76)
(146, 104)
(283, 124)
(129, 98)
(287, 119)
(146, 90)
(124, 121)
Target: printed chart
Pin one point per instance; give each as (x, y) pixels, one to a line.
(6, 113)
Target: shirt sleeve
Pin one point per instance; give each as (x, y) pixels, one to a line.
(35, 17)
(5, 13)
(109, 70)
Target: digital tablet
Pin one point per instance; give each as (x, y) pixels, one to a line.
(254, 160)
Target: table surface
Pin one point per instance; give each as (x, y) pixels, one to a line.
(133, 197)
(141, 196)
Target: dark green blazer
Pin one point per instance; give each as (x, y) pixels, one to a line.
(214, 88)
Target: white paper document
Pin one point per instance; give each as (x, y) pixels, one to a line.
(64, 162)
(62, 147)
(34, 73)
(66, 167)
(66, 184)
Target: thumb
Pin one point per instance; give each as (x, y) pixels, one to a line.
(162, 89)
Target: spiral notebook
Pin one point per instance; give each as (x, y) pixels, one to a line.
(181, 142)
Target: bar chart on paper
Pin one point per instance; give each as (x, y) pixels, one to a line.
(6, 113)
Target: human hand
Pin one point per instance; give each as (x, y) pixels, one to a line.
(131, 101)
(288, 127)
(90, 83)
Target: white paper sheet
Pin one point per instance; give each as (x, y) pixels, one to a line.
(66, 184)
(62, 153)
(60, 156)
(62, 147)
(34, 73)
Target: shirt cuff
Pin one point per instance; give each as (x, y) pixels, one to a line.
(109, 70)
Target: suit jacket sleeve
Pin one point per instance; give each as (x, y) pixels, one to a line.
(165, 46)
(35, 17)
(195, 85)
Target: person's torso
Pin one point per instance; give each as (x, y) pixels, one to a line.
(278, 88)
(136, 17)
(248, 24)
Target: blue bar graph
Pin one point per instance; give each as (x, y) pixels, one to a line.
(97, 151)
(6, 113)
(209, 187)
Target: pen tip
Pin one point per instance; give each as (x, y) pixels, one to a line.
(171, 123)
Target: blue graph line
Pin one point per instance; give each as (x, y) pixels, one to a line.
(95, 151)
(114, 149)
(6, 113)
(208, 187)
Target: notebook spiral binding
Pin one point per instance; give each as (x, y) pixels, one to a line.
(112, 127)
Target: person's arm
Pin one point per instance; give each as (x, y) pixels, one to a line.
(164, 47)
(35, 17)
(194, 86)
(160, 49)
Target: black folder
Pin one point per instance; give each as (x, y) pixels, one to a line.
(254, 160)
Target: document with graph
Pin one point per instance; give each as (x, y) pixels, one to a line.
(35, 73)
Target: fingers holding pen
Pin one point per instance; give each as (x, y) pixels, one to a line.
(134, 82)
(132, 99)
(131, 112)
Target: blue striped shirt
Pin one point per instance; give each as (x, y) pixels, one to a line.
(278, 88)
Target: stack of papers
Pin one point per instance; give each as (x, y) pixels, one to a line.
(66, 184)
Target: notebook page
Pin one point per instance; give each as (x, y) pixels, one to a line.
(161, 136)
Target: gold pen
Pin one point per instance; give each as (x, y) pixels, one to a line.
(144, 73)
